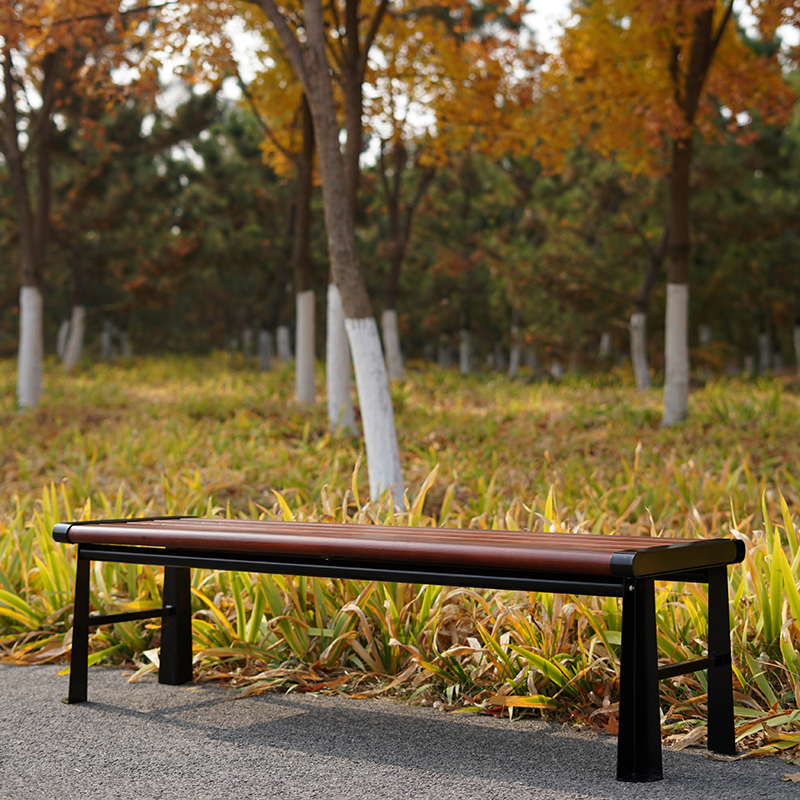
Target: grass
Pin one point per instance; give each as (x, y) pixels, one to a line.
(214, 437)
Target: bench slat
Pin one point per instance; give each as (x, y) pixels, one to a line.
(519, 550)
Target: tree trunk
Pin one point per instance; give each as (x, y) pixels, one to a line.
(107, 341)
(284, 344)
(688, 85)
(304, 351)
(764, 353)
(399, 236)
(305, 388)
(31, 349)
(125, 349)
(391, 334)
(380, 437)
(32, 229)
(641, 367)
(340, 403)
(676, 383)
(464, 351)
(638, 324)
(311, 67)
(77, 328)
(605, 348)
(77, 331)
(61, 338)
(516, 351)
(391, 344)
(355, 131)
(639, 359)
(443, 355)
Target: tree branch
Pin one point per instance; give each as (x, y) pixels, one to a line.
(654, 265)
(263, 123)
(52, 61)
(370, 37)
(128, 12)
(422, 187)
(292, 48)
(721, 30)
(382, 170)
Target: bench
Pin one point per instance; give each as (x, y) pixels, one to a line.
(611, 566)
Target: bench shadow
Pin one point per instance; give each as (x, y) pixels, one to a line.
(525, 753)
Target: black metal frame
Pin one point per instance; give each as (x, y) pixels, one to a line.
(639, 742)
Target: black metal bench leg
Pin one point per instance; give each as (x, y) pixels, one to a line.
(79, 655)
(639, 739)
(176, 630)
(721, 737)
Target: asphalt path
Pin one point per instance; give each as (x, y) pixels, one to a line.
(142, 740)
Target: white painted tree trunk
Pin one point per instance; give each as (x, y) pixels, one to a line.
(556, 370)
(391, 344)
(705, 335)
(31, 348)
(61, 339)
(796, 338)
(764, 361)
(375, 400)
(125, 344)
(516, 351)
(77, 330)
(641, 367)
(107, 341)
(464, 351)
(443, 353)
(337, 355)
(676, 383)
(284, 344)
(605, 345)
(304, 364)
(266, 350)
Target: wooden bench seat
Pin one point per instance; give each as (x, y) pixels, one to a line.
(612, 566)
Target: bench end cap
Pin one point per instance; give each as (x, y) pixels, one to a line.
(61, 531)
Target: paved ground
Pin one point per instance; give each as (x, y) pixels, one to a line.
(143, 741)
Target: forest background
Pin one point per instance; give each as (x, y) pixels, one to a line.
(505, 221)
(172, 215)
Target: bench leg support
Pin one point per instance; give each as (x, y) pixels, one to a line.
(79, 655)
(639, 739)
(721, 737)
(176, 630)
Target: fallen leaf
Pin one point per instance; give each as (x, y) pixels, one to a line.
(794, 777)
(693, 737)
(611, 708)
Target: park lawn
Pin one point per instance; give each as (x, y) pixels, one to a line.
(213, 436)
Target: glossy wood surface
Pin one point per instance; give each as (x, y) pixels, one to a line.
(508, 550)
